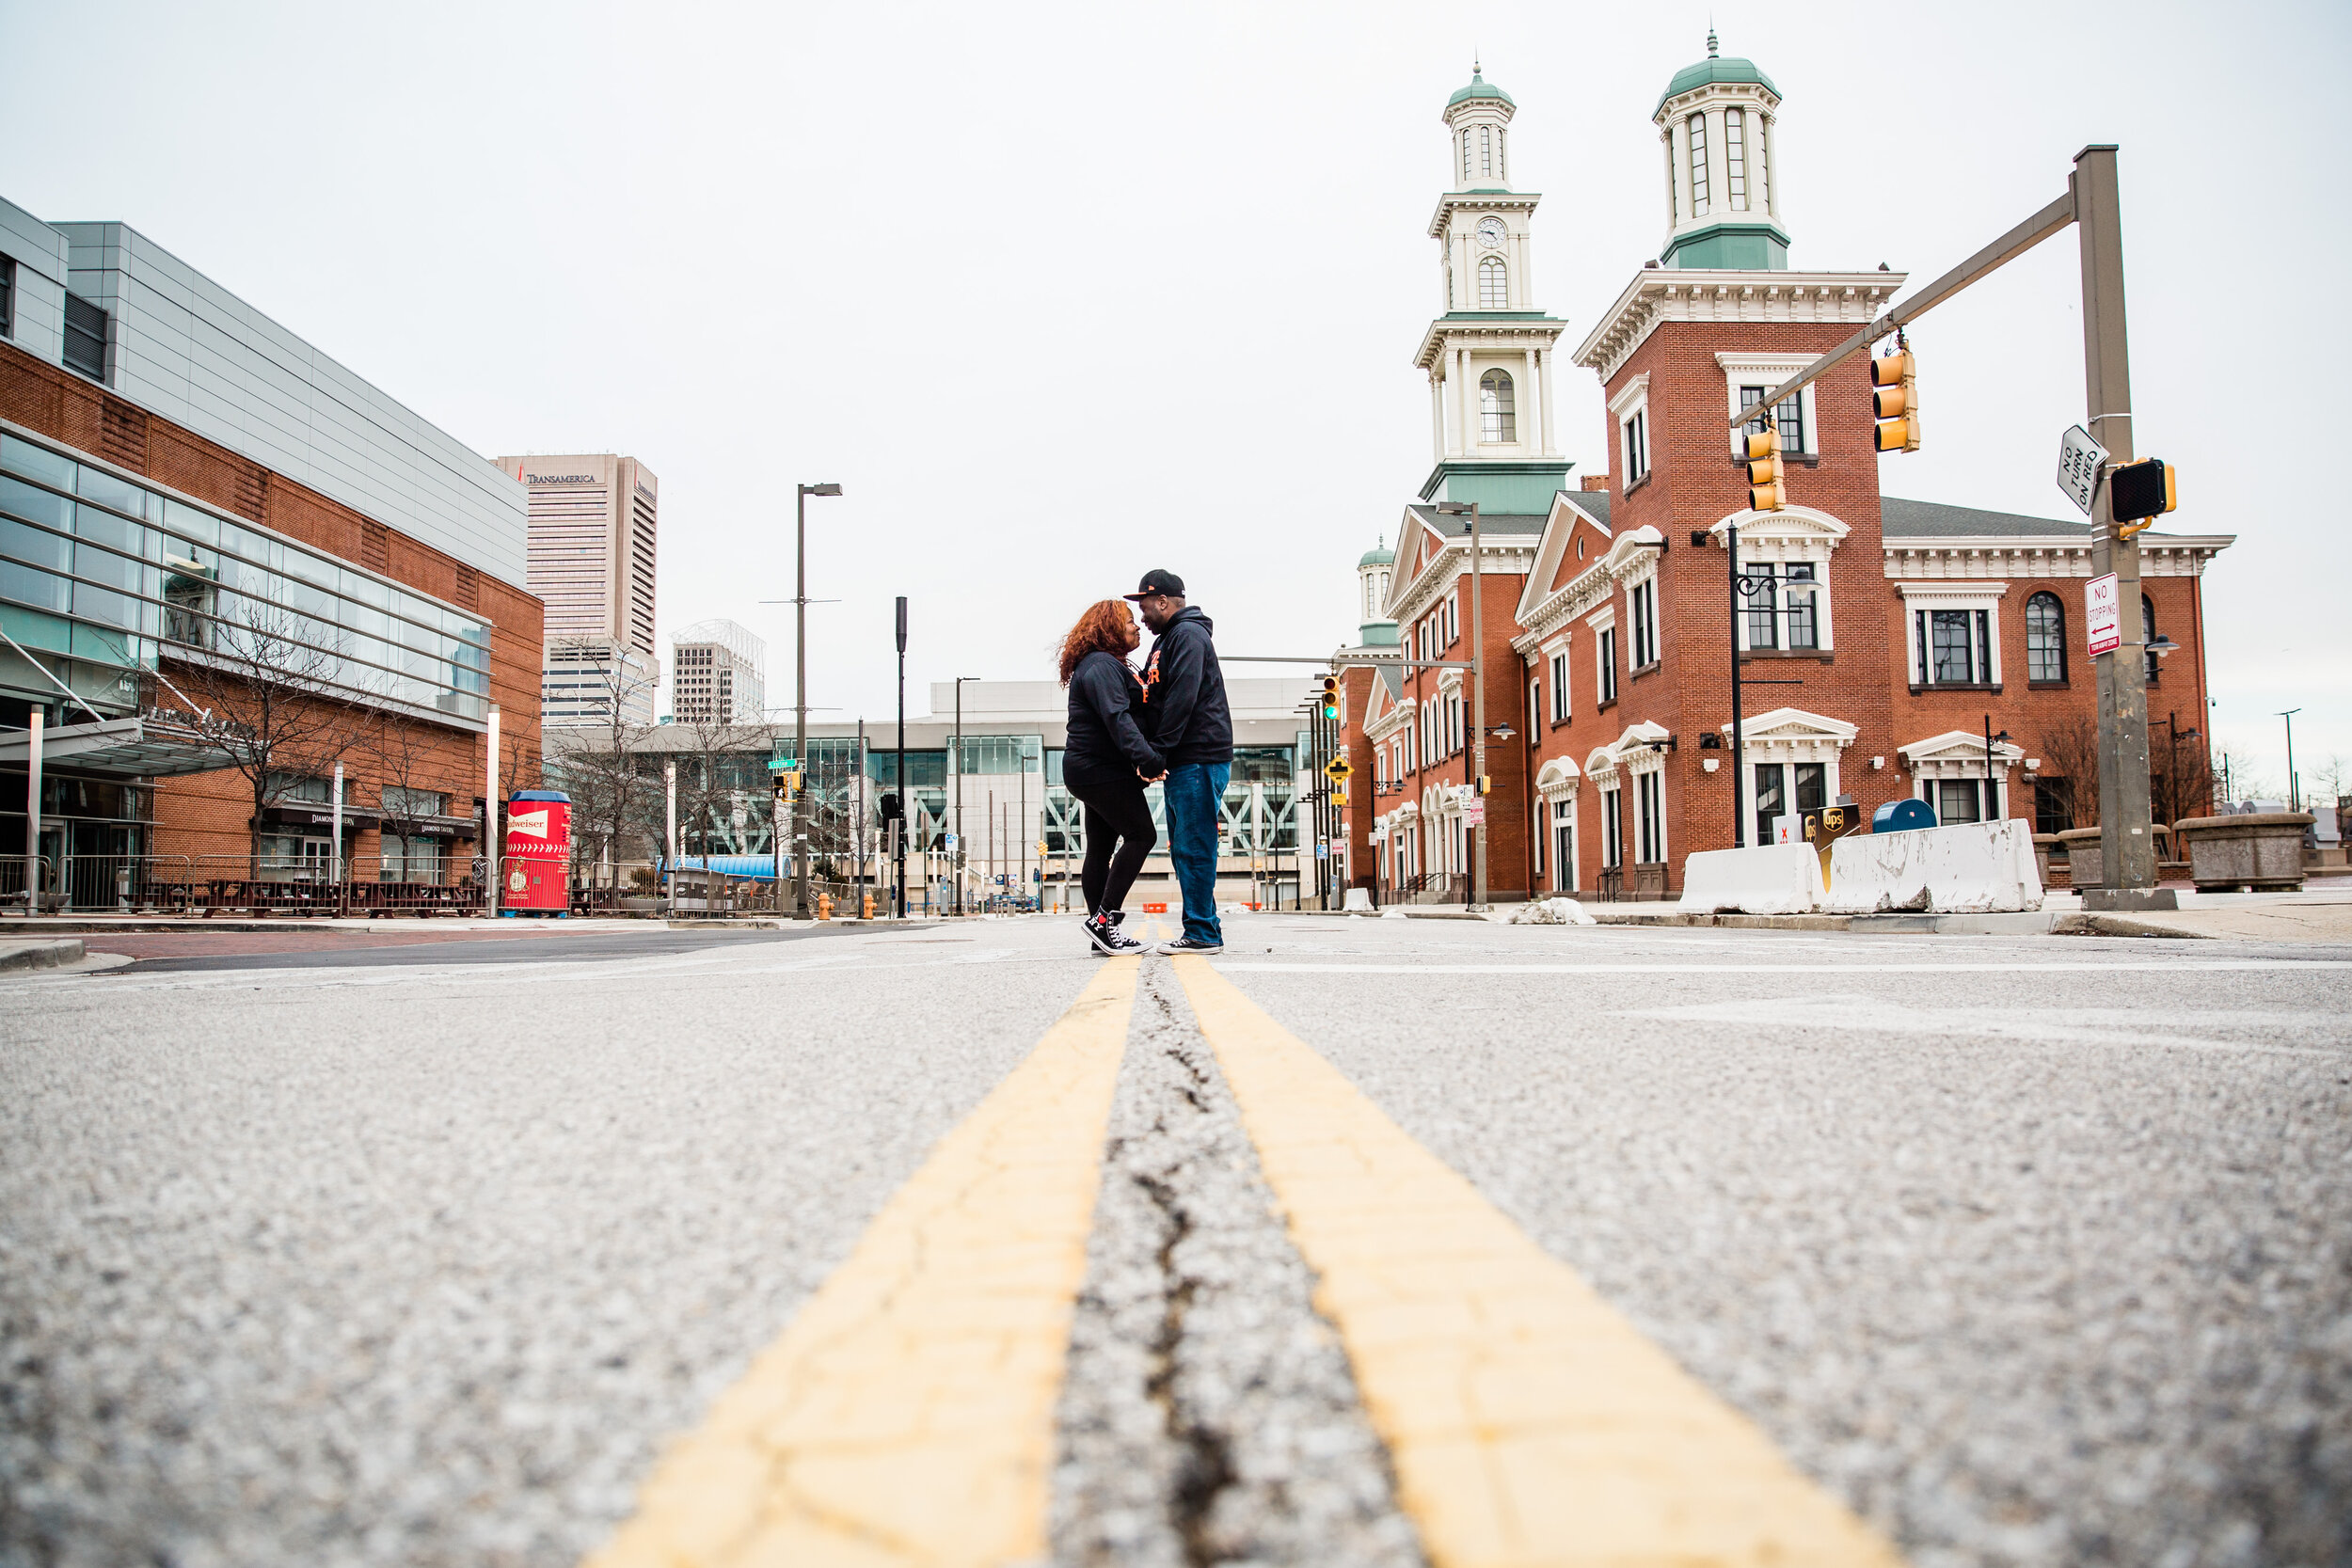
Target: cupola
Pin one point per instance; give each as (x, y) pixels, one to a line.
(1479, 115)
(1715, 123)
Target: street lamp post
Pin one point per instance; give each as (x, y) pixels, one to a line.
(906, 796)
(955, 861)
(800, 693)
(2295, 793)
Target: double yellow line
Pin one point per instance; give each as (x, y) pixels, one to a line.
(906, 1415)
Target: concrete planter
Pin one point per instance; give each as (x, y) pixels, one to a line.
(2261, 850)
(2046, 849)
(2083, 856)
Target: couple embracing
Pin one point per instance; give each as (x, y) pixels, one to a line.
(1169, 725)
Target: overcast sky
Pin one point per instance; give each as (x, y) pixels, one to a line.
(1061, 293)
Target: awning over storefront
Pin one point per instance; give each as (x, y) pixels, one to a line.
(119, 748)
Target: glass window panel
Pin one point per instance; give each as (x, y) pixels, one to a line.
(1770, 799)
(104, 488)
(186, 521)
(366, 590)
(2045, 638)
(34, 504)
(310, 568)
(105, 528)
(1812, 786)
(1756, 595)
(1698, 166)
(1802, 630)
(102, 646)
(50, 633)
(28, 586)
(1955, 801)
(35, 547)
(1950, 658)
(38, 462)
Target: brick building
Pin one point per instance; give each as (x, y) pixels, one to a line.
(185, 483)
(1879, 639)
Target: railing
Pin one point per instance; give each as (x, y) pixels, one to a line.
(1434, 887)
(210, 884)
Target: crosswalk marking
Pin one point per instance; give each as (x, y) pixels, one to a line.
(906, 1415)
(1530, 1424)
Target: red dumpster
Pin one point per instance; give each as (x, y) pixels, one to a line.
(538, 868)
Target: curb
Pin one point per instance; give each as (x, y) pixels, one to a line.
(2118, 926)
(40, 954)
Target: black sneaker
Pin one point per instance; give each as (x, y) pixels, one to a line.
(1108, 939)
(1191, 945)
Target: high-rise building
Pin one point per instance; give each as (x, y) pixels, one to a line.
(594, 522)
(716, 676)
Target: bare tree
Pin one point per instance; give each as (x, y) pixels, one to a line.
(2070, 763)
(268, 696)
(612, 797)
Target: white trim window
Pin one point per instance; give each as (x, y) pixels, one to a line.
(1952, 632)
(1642, 600)
(1651, 817)
(1560, 704)
(1747, 377)
(1735, 158)
(1612, 827)
(1494, 290)
(1498, 406)
(1534, 705)
(1453, 620)
(1697, 138)
(1633, 435)
(1605, 660)
(1563, 844)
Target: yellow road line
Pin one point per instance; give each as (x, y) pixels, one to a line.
(906, 1415)
(1529, 1424)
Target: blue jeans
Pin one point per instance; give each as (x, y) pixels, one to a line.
(1193, 792)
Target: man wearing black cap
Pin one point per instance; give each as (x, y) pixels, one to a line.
(1185, 715)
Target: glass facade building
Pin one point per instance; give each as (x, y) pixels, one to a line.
(106, 576)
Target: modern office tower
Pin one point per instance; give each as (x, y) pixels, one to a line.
(595, 519)
(715, 675)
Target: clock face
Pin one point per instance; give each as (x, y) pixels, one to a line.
(1490, 233)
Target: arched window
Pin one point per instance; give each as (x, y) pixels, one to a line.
(1466, 155)
(1735, 158)
(1503, 161)
(2045, 638)
(1494, 291)
(1497, 422)
(1485, 151)
(1698, 166)
(2148, 631)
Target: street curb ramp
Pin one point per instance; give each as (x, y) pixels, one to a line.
(54, 953)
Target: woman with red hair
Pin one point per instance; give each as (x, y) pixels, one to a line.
(1107, 764)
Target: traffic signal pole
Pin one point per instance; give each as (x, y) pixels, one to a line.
(2127, 854)
(2127, 849)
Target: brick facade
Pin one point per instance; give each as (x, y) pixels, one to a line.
(211, 813)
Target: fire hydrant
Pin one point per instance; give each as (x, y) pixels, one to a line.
(869, 906)
(824, 906)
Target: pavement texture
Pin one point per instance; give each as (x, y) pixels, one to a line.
(2031, 1251)
(1209, 1413)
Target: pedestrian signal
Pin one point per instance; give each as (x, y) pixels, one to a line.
(2140, 493)
(1765, 492)
(893, 809)
(1485, 783)
(1894, 401)
(1331, 696)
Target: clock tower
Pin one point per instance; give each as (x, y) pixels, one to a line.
(1488, 356)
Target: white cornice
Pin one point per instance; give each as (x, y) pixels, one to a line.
(1486, 202)
(1450, 332)
(1724, 294)
(2057, 556)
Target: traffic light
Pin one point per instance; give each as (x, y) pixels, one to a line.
(893, 810)
(1894, 401)
(1331, 696)
(2140, 493)
(1765, 493)
(1485, 783)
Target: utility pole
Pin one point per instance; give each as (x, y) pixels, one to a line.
(857, 834)
(1739, 753)
(800, 693)
(906, 796)
(668, 831)
(2127, 850)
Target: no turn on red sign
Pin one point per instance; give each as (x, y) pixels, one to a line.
(2102, 614)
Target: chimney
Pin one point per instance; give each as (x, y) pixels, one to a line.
(1596, 482)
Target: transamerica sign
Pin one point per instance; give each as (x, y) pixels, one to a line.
(2099, 603)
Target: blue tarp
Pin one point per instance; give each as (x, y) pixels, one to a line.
(755, 867)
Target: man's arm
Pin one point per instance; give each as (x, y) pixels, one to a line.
(1183, 654)
(1111, 692)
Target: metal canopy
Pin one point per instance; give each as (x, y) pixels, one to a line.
(121, 747)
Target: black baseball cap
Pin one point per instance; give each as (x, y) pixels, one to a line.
(1157, 581)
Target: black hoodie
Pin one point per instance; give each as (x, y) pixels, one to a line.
(1184, 694)
(1104, 739)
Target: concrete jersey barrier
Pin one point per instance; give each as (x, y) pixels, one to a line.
(1768, 878)
(1970, 869)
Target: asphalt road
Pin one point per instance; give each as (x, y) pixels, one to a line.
(2032, 1251)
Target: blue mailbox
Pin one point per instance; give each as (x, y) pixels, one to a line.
(1898, 817)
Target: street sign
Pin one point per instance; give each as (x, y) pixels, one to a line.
(1322, 850)
(951, 841)
(780, 765)
(1474, 812)
(2080, 459)
(2103, 615)
(1337, 769)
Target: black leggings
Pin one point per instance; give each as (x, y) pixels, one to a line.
(1116, 816)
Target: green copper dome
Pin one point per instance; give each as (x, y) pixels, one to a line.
(1380, 555)
(1479, 87)
(1714, 70)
